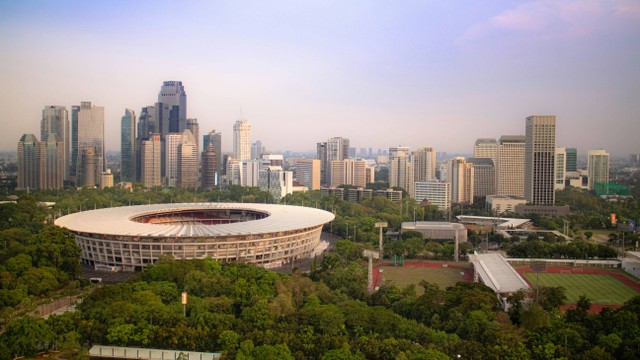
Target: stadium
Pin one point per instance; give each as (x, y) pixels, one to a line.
(130, 237)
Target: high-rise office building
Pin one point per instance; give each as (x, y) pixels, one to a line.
(55, 120)
(215, 138)
(572, 159)
(87, 132)
(150, 153)
(171, 142)
(321, 151)
(460, 174)
(242, 140)
(349, 172)
(560, 168)
(194, 127)
(171, 108)
(337, 150)
(540, 149)
(397, 150)
(401, 172)
(147, 123)
(308, 173)
(486, 148)
(424, 164)
(208, 173)
(511, 159)
(484, 180)
(88, 175)
(257, 150)
(187, 161)
(128, 146)
(597, 167)
(437, 193)
(51, 157)
(28, 176)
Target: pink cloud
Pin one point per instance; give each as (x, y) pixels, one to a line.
(553, 18)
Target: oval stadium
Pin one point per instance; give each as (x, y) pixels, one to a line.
(130, 237)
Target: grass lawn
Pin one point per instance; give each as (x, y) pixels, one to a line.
(403, 276)
(601, 289)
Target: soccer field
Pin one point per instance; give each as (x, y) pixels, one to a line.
(403, 276)
(600, 289)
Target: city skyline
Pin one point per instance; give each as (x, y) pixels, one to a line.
(438, 75)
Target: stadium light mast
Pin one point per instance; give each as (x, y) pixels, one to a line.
(381, 225)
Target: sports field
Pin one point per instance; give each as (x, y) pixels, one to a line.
(600, 289)
(403, 276)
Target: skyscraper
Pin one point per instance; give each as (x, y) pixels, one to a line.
(257, 150)
(349, 172)
(171, 108)
(560, 168)
(150, 151)
(540, 149)
(486, 148)
(215, 138)
(127, 146)
(401, 172)
(511, 159)
(194, 127)
(187, 161)
(424, 164)
(308, 173)
(88, 176)
(321, 154)
(28, 176)
(171, 142)
(55, 120)
(51, 162)
(572, 159)
(337, 150)
(460, 174)
(208, 173)
(87, 132)
(242, 140)
(597, 167)
(484, 181)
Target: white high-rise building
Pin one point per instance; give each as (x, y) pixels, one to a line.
(171, 142)
(484, 181)
(150, 161)
(424, 164)
(87, 132)
(55, 120)
(560, 168)
(401, 172)
(460, 175)
(510, 173)
(486, 148)
(349, 172)
(437, 193)
(187, 160)
(242, 140)
(597, 167)
(540, 150)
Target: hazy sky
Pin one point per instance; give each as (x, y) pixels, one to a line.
(381, 73)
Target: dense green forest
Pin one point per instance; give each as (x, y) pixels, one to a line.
(251, 313)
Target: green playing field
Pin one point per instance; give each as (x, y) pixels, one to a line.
(401, 276)
(600, 289)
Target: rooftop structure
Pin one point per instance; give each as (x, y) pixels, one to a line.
(131, 237)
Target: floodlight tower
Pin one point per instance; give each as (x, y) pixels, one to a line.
(370, 254)
(381, 225)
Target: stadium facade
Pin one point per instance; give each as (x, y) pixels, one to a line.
(129, 238)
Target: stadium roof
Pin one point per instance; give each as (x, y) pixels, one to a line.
(497, 273)
(501, 222)
(117, 220)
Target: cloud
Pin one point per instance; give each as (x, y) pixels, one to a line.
(552, 19)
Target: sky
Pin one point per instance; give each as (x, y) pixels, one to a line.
(381, 73)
